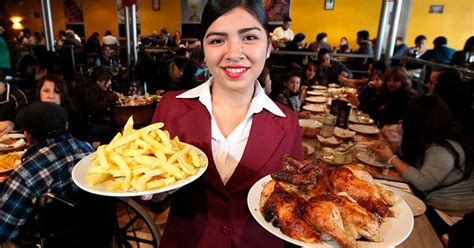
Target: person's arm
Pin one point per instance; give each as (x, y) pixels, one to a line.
(438, 163)
(16, 204)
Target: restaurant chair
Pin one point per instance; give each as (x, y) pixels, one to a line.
(88, 221)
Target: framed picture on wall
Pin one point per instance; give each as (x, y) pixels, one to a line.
(329, 4)
(156, 5)
(277, 10)
(436, 9)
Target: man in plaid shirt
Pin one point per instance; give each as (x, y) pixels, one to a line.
(46, 165)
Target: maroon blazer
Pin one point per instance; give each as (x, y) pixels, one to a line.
(207, 213)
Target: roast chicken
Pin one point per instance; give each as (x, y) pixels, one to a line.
(307, 199)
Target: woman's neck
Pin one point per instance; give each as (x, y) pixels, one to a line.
(230, 108)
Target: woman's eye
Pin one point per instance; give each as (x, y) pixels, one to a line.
(250, 37)
(216, 41)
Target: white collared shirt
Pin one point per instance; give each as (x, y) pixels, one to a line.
(227, 152)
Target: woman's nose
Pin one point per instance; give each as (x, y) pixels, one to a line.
(235, 49)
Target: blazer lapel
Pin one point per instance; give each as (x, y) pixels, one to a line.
(198, 118)
(265, 136)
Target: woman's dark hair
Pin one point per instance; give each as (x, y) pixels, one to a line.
(216, 8)
(185, 64)
(428, 121)
(398, 74)
(468, 46)
(419, 38)
(291, 74)
(60, 87)
(102, 73)
(94, 36)
(450, 87)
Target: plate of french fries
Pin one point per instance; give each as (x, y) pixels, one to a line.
(10, 161)
(140, 162)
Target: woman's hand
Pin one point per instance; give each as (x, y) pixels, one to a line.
(382, 148)
(304, 115)
(5, 127)
(352, 99)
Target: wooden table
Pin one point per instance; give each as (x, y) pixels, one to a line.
(423, 235)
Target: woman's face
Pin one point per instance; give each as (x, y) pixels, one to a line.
(310, 72)
(48, 93)
(104, 84)
(176, 73)
(421, 44)
(375, 81)
(235, 49)
(343, 41)
(393, 85)
(293, 84)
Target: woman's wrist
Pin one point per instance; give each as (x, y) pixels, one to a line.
(391, 158)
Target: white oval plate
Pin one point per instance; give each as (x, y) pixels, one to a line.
(361, 119)
(317, 99)
(80, 170)
(370, 159)
(310, 123)
(364, 129)
(319, 87)
(316, 93)
(309, 148)
(315, 107)
(393, 230)
(416, 205)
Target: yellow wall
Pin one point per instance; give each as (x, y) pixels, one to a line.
(347, 18)
(168, 16)
(309, 17)
(100, 16)
(456, 23)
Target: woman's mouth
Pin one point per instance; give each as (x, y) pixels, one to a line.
(235, 71)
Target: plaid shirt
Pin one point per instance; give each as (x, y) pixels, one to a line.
(46, 167)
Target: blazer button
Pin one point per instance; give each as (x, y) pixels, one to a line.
(225, 230)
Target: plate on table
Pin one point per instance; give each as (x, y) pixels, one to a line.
(364, 129)
(80, 170)
(317, 99)
(370, 158)
(330, 160)
(315, 107)
(12, 141)
(310, 123)
(361, 119)
(343, 133)
(308, 149)
(319, 87)
(416, 205)
(393, 230)
(316, 93)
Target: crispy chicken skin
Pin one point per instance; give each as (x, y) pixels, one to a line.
(283, 209)
(366, 194)
(323, 214)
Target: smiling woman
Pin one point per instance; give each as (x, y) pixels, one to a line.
(242, 132)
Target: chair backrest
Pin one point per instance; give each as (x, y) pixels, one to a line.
(81, 220)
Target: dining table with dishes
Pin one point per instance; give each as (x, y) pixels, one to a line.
(349, 146)
(12, 147)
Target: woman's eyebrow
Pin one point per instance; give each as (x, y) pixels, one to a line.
(217, 34)
(244, 30)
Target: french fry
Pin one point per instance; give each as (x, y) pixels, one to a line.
(143, 159)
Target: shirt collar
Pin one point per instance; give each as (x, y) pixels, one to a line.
(259, 102)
